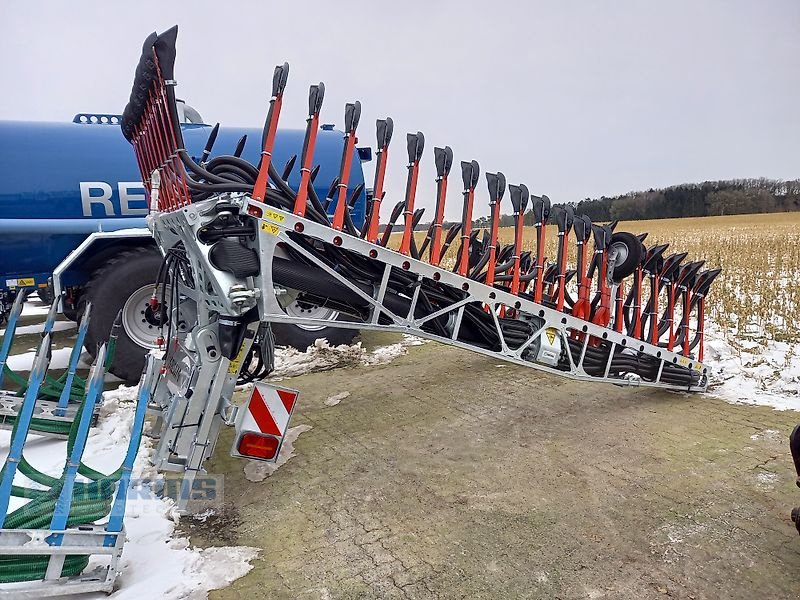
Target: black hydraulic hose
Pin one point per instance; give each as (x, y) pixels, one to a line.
(316, 204)
(281, 184)
(233, 173)
(234, 161)
(212, 137)
(530, 276)
(596, 359)
(288, 167)
(215, 188)
(499, 270)
(198, 170)
(479, 266)
(237, 152)
(312, 280)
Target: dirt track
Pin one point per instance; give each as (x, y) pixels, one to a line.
(446, 475)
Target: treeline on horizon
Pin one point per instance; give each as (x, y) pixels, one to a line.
(706, 199)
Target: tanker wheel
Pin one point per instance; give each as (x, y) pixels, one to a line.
(125, 283)
(302, 336)
(46, 294)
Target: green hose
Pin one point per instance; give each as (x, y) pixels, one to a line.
(91, 501)
(28, 568)
(51, 387)
(51, 390)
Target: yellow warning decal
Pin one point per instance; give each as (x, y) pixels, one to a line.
(551, 333)
(21, 282)
(270, 228)
(236, 363)
(274, 216)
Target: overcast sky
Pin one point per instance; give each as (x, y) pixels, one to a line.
(574, 99)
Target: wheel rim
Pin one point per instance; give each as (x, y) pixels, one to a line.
(293, 308)
(622, 253)
(141, 323)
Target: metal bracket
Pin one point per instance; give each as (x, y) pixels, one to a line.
(93, 540)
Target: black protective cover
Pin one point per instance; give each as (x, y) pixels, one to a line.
(352, 115)
(545, 207)
(583, 228)
(497, 186)
(416, 144)
(541, 209)
(515, 193)
(470, 172)
(671, 264)
(146, 74)
(444, 160)
(316, 94)
(704, 281)
(687, 273)
(653, 259)
(602, 236)
(564, 218)
(384, 127)
(523, 205)
(519, 197)
(279, 78)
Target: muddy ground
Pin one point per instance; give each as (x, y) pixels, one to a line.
(447, 475)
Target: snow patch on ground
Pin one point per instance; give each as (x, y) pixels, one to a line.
(59, 360)
(766, 479)
(386, 354)
(290, 362)
(35, 307)
(200, 571)
(768, 434)
(336, 398)
(412, 340)
(33, 329)
(256, 470)
(753, 371)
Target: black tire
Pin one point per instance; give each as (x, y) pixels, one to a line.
(632, 257)
(297, 337)
(45, 294)
(109, 288)
(301, 337)
(73, 313)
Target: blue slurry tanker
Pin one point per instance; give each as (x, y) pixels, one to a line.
(72, 221)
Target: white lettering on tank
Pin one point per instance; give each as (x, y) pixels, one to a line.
(132, 191)
(104, 199)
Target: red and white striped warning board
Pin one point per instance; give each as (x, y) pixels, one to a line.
(269, 409)
(262, 422)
